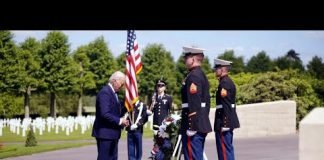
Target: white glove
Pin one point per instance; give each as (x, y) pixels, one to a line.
(155, 132)
(133, 127)
(149, 112)
(225, 129)
(191, 133)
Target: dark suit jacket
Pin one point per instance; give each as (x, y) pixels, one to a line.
(108, 113)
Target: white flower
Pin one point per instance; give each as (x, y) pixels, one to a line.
(162, 128)
(176, 117)
(165, 123)
(168, 123)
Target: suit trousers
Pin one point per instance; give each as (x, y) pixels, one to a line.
(107, 149)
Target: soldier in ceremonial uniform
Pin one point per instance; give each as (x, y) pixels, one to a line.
(195, 124)
(138, 117)
(161, 107)
(162, 104)
(226, 119)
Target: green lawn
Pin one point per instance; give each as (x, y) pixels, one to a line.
(8, 136)
(14, 145)
(13, 150)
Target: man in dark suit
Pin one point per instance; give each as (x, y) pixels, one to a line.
(195, 124)
(109, 118)
(226, 119)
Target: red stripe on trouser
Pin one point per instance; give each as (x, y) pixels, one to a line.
(189, 148)
(223, 145)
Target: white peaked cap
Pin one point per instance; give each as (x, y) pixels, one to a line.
(220, 62)
(192, 49)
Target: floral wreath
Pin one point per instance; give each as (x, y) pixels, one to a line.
(167, 137)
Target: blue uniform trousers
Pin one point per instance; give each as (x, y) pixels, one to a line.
(134, 145)
(193, 147)
(107, 149)
(224, 145)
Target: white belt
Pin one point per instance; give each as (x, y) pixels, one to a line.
(221, 106)
(185, 105)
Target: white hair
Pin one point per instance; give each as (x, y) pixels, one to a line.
(118, 75)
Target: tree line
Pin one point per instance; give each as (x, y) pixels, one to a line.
(45, 77)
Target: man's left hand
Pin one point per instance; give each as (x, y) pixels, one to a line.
(125, 122)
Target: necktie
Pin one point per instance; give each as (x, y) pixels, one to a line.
(117, 97)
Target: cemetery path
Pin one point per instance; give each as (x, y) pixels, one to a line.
(263, 148)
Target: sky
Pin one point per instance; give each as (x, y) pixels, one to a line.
(246, 43)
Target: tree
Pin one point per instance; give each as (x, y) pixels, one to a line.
(157, 63)
(318, 86)
(316, 67)
(57, 66)
(9, 70)
(10, 105)
(85, 78)
(30, 73)
(292, 55)
(259, 63)
(284, 62)
(121, 62)
(281, 85)
(181, 69)
(10, 75)
(238, 63)
(265, 88)
(102, 63)
(31, 139)
(290, 61)
(206, 67)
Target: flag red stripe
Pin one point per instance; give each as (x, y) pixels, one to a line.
(133, 67)
(137, 56)
(135, 47)
(128, 87)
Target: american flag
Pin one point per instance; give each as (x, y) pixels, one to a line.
(133, 67)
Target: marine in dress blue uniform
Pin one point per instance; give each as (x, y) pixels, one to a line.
(226, 119)
(195, 124)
